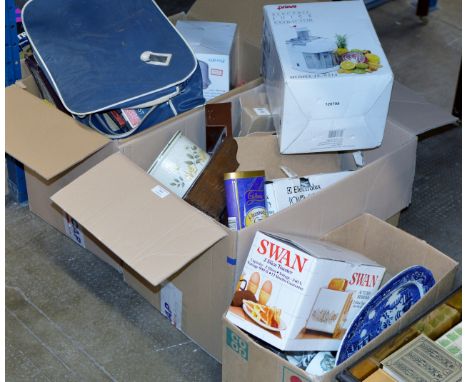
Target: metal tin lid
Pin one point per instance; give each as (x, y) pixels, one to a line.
(243, 174)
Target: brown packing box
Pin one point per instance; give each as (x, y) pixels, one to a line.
(56, 150)
(159, 237)
(246, 360)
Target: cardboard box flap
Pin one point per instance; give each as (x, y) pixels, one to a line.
(47, 146)
(322, 249)
(155, 233)
(261, 151)
(247, 14)
(410, 111)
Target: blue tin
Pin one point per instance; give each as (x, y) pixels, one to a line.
(245, 198)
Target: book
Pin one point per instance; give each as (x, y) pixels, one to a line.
(111, 123)
(135, 117)
(439, 321)
(118, 119)
(379, 376)
(423, 360)
(47, 91)
(452, 341)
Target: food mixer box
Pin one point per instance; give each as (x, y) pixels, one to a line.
(326, 75)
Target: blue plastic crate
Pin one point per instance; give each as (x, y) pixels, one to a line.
(16, 180)
(12, 59)
(16, 176)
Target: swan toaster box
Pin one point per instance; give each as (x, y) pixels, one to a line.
(326, 75)
(297, 293)
(214, 46)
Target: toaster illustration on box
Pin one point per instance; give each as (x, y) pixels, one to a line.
(312, 53)
(330, 309)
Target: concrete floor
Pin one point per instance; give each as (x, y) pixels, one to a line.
(70, 316)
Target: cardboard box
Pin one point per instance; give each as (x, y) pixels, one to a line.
(213, 45)
(169, 240)
(212, 268)
(321, 106)
(246, 360)
(77, 148)
(302, 293)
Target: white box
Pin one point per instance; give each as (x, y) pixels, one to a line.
(212, 43)
(322, 107)
(306, 291)
(284, 192)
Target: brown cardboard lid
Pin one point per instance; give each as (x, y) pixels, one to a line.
(42, 137)
(156, 236)
(261, 152)
(247, 14)
(412, 112)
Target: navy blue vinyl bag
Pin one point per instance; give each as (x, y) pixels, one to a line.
(118, 66)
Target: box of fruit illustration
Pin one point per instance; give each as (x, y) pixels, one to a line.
(326, 76)
(298, 293)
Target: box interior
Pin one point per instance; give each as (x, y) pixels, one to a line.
(390, 246)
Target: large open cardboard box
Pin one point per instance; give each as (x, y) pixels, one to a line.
(166, 239)
(56, 149)
(246, 360)
(152, 240)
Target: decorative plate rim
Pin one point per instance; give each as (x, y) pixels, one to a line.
(394, 283)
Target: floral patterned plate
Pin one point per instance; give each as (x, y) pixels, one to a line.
(179, 165)
(393, 300)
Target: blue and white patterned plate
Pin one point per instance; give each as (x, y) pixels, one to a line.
(393, 300)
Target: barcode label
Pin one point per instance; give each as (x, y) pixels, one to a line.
(232, 223)
(335, 133)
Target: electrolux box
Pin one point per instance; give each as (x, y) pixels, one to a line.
(306, 291)
(326, 76)
(284, 192)
(213, 45)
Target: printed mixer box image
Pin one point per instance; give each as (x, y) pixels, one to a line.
(327, 78)
(298, 293)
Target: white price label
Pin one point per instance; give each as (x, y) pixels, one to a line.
(160, 191)
(261, 111)
(359, 158)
